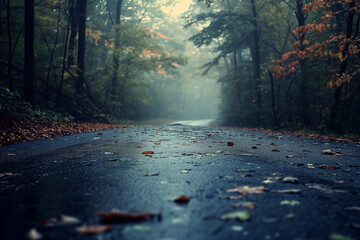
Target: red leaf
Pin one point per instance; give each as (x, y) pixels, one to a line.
(182, 199)
(230, 144)
(118, 216)
(96, 229)
(148, 152)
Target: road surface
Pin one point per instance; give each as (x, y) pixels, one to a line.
(302, 194)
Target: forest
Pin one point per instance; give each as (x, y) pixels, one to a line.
(285, 64)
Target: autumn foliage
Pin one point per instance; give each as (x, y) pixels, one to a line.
(322, 39)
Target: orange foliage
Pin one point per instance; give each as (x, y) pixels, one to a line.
(335, 47)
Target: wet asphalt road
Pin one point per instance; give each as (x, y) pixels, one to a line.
(71, 175)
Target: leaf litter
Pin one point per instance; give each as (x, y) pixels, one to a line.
(116, 216)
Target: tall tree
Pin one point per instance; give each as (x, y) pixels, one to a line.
(81, 46)
(29, 52)
(117, 47)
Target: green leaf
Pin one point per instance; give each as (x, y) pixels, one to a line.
(336, 236)
(239, 215)
(291, 203)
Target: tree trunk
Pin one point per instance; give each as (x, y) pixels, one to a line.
(11, 84)
(334, 123)
(273, 99)
(29, 52)
(81, 46)
(304, 98)
(256, 54)
(74, 30)
(117, 48)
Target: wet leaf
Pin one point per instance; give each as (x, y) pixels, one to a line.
(276, 150)
(139, 146)
(324, 188)
(289, 156)
(151, 174)
(7, 174)
(291, 203)
(244, 175)
(96, 138)
(91, 230)
(310, 165)
(11, 154)
(335, 236)
(108, 153)
(240, 215)
(148, 152)
(100, 133)
(184, 171)
(118, 216)
(287, 191)
(290, 215)
(182, 199)
(355, 208)
(230, 144)
(332, 167)
(290, 180)
(249, 205)
(33, 234)
(254, 147)
(246, 190)
(68, 219)
(113, 159)
(139, 228)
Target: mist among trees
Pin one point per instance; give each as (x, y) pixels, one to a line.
(290, 64)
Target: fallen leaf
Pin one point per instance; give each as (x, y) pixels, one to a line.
(33, 234)
(240, 215)
(297, 164)
(254, 147)
(324, 188)
(249, 205)
(245, 170)
(244, 175)
(289, 156)
(290, 215)
(139, 228)
(151, 174)
(276, 150)
(182, 199)
(230, 144)
(148, 152)
(291, 203)
(108, 153)
(91, 230)
(290, 180)
(184, 171)
(274, 178)
(310, 165)
(335, 236)
(113, 160)
(139, 146)
(100, 133)
(355, 208)
(68, 219)
(118, 216)
(332, 167)
(96, 138)
(246, 190)
(11, 154)
(287, 191)
(7, 174)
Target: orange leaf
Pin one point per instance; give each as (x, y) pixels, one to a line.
(89, 230)
(182, 199)
(139, 147)
(148, 152)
